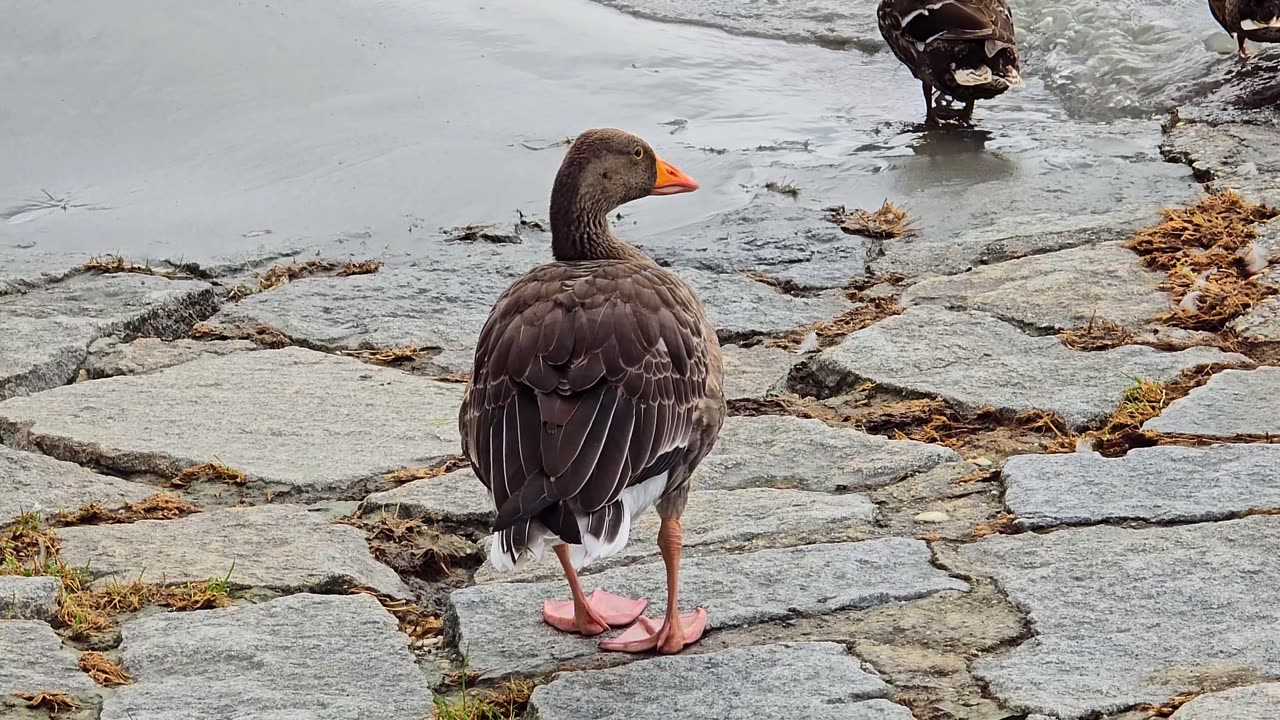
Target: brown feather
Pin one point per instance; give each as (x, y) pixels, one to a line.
(619, 399)
(956, 34)
(591, 373)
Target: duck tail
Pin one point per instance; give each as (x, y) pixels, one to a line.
(590, 537)
(1260, 16)
(988, 62)
(520, 530)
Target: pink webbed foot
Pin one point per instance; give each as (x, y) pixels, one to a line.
(666, 638)
(602, 611)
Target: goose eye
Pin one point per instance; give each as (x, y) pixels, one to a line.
(638, 152)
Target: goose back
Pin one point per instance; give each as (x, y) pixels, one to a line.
(591, 377)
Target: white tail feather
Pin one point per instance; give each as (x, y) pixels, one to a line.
(635, 500)
(592, 549)
(972, 76)
(1250, 24)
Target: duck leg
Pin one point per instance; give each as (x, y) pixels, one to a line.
(676, 630)
(930, 119)
(588, 615)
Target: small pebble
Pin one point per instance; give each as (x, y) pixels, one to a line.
(982, 462)
(932, 516)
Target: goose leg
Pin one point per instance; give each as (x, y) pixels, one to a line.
(930, 119)
(676, 630)
(588, 615)
(1244, 51)
(966, 115)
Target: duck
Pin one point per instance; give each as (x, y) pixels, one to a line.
(1256, 20)
(963, 49)
(595, 392)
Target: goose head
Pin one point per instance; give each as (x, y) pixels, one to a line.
(603, 169)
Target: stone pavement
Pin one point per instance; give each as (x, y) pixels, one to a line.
(950, 513)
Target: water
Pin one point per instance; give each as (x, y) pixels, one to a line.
(216, 130)
(1104, 59)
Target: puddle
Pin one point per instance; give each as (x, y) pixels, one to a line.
(364, 128)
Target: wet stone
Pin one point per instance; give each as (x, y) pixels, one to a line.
(1233, 402)
(28, 598)
(1006, 238)
(1268, 242)
(443, 306)
(1261, 324)
(295, 421)
(717, 520)
(278, 547)
(787, 452)
(1054, 291)
(499, 626)
(975, 360)
(741, 307)
(1246, 93)
(458, 496)
(779, 239)
(25, 269)
(1158, 484)
(1123, 617)
(109, 357)
(312, 656)
(48, 330)
(41, 484)
(35, 660)
(1232, 155)
(815, 681)
(1254, 701)
(756, 372)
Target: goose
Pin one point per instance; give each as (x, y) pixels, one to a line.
(595, 392)
(1256, 20)
(964, 49)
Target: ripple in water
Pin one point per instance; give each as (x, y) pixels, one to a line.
(1108, 60)
(836, 24)
(1104, 60)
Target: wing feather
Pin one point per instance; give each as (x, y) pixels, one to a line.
(587, 379)
(586, 437)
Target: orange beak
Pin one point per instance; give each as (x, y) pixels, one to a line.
(671, 181)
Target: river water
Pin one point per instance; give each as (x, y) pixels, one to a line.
(223, 129)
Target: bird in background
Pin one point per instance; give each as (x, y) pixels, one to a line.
(1256, 20)
(963, 50)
